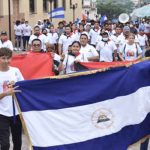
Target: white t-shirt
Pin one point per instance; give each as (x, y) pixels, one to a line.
(93, 35)
(88, 51)
(69, 62)
(43, 39)
(106, 50)
(147, 28)
(7, 44)
(6, 105)
(27, 29)
(66, 41)
(18, 30)
(122, 40)
(142, 39)
(52, 38)
(130, 52)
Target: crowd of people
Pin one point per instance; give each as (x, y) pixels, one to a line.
(68, 44)
(105, 43)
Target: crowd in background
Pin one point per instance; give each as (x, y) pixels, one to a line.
(82, 41)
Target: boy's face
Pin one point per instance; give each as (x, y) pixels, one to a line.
(5, 61)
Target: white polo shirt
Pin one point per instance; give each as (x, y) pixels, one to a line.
(142, 39)
(94, 35)
(88, 51)
(7, 44)
(52, 38)
(43, 39)
(106, 50)
(66, 41)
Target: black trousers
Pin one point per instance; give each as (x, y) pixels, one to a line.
(25, 41)
(7, 124)
(144, 145)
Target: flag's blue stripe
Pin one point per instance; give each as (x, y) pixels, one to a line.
(117, 141)
(59, 16)
(47, 94)
(57, 9)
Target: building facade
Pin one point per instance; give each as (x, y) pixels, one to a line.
(34, 10)
(89, 8)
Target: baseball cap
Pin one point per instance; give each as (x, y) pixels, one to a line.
(126, 28)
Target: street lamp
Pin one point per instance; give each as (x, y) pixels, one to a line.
(73, 7)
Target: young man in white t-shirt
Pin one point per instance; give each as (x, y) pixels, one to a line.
(65, 40)
(89, 52)
(94, 33)
(27, 31)
(9, 118)
(143, 40)
(37, 35)
(107, 49)
(4, 42)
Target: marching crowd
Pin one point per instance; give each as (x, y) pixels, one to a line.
(82, 42)
(68, 44)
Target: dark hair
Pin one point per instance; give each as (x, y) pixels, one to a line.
(105, 33)
(77, 43)
(147, 53)
(44, 29)
(18, 22)
(5, 52)
(36, 27)
(84, 35)
(68, 25)
(37, 40)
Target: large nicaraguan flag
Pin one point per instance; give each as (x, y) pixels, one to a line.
(100, 111)
(57, 13)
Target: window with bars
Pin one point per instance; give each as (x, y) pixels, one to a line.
(45, 5)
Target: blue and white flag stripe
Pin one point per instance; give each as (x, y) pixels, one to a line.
(57, 13)
(108, 110)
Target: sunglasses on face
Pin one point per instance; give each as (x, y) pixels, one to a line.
(36, 45)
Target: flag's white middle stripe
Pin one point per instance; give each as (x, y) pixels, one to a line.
(73, 125)
(57, 13)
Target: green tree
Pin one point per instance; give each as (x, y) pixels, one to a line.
(113, 8)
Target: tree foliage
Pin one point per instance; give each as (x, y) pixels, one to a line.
(112, 9)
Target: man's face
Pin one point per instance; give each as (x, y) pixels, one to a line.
(96, 25)
(37, 31)
(118, 30)
(3, 37)
(36, 46)
(83, 40)
(67, 30)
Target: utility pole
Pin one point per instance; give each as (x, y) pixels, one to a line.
(9, 18)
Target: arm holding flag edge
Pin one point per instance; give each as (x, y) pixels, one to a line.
(96, 70)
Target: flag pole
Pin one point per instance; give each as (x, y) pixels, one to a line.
(23, 123)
